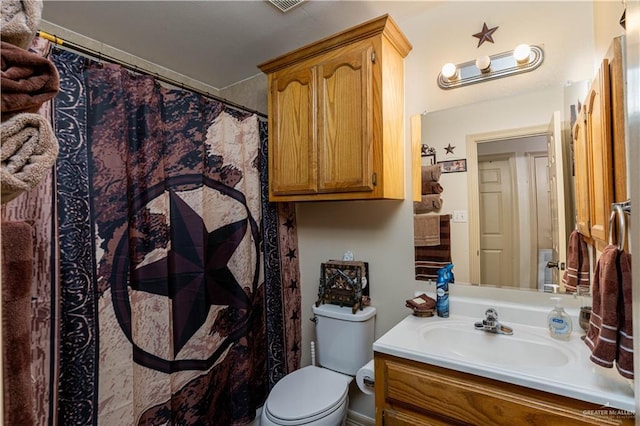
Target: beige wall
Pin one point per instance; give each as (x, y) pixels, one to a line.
(607, 14)
(251, 93)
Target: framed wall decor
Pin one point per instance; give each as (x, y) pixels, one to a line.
(453, 166)
(344, 283)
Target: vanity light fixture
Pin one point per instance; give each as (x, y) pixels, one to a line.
(483, 63)
(522, 53)
(523, 58)
(449, 71)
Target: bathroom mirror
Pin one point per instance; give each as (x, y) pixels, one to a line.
(506, 144)
(460, 120)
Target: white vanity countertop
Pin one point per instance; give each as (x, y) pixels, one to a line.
(579, 378)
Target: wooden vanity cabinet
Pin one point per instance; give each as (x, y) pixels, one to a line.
(412, 393)
(336, 116)
(599, 147)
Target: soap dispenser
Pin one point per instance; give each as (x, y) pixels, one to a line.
(560, 324)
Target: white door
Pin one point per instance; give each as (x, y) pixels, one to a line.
(496, 222)
(557, 200)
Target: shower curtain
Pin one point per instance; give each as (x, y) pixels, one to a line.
(174, 294)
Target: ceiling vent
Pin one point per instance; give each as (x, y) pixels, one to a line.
(285, 5)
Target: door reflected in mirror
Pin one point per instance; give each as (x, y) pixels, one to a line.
(515, 212)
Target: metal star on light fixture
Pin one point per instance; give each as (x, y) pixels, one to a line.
(486, 34)
(449, 149)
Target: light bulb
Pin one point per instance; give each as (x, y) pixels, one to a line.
(483, 63)
(449, 71)
(521, 53)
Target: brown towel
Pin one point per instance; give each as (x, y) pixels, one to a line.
(577, 272)
(431, 173)
(17, 273)
(29, 149)
(429, 203)
(429, 259)
(610, 334)
(624, 360)
(431, 187)
(421, 304)
(28, 80)
(426, 230)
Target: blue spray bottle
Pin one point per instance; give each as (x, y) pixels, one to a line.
(445, 276)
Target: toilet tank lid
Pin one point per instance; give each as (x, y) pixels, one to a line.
(344, 313)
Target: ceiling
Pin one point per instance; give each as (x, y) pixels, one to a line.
(218, 43)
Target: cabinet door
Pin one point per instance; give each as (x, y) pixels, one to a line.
(599, 134)
(392, 417)
(292, 142)
(619, 156)
(345, 132)
(581, 170)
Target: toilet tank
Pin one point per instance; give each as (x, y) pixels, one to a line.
(344, 339)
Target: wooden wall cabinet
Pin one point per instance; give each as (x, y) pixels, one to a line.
(336, 116)
(413, 393)
(599, 148)
(581, 170)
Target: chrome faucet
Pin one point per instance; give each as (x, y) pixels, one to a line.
(490, 323)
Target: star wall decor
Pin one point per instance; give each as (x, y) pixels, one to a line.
(486, 34)
(449, 149)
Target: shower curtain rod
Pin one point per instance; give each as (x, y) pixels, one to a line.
(100, 56)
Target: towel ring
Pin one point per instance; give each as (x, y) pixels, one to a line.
(617, 210)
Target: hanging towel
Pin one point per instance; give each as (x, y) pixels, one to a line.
(426, 230)
(577, 272)
(20, 20)
(428, 259)
(431, 173)
(28, 80)
(28, 150)
(431, 187)
(610, 334)
(17, 276)
(429, 203)
(624, 359)
(602, 335)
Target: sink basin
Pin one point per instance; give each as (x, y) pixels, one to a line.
(459, 339)
(529, 357)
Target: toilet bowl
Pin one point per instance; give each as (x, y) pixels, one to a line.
(319, 395)
(309, 396)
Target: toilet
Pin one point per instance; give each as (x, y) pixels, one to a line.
(318, 395)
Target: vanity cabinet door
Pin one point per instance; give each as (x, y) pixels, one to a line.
(401, 418)
(408, 391)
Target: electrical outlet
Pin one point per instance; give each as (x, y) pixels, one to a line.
(459, 215)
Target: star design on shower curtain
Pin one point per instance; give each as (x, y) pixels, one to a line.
(194, 274)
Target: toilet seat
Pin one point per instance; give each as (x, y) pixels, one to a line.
(306, 395)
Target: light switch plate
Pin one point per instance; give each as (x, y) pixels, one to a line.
(460, 216)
